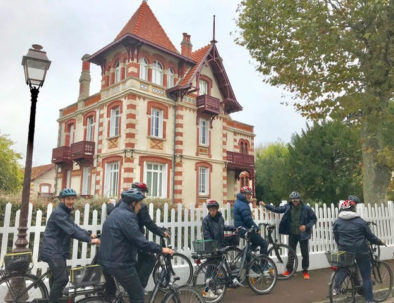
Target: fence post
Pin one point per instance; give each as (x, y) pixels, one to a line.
(390, 205)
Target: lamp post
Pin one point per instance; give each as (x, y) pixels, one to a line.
(35, 65)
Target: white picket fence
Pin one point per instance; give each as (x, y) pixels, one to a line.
(185, 226)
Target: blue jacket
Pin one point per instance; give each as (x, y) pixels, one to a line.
(214, 228)
(242, 212)
(351, 233)
(59, 230)
(307, 218)
(121, 238)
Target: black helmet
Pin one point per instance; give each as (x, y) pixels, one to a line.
(295, 195)
(354, 198)
(140, 186)
(67, 192)
(212, 203)
(132, 195)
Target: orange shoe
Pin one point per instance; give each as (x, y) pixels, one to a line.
(306, 276)
(286, 273)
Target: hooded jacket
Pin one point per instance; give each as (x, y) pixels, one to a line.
(60, 229)
(242, 212)
(351, 233)
(214, 228)
(307, 218)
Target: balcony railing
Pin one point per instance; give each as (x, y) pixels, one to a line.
(208, 104)
(239, 161)
(61, 155)
(82, 151)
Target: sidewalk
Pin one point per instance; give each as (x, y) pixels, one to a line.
(294, 290)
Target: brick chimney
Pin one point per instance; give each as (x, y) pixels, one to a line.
(84, 80)
(186, 46)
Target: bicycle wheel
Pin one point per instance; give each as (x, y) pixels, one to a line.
(341, 287)
(382, 281)
(283, 255)
(22, 288)
(210, 280)
(184, 295)
(97, 299)
(261, 274)
(182, 267)
(233, 256)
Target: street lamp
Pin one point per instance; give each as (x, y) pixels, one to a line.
(35, 65)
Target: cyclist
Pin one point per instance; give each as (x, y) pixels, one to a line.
(55, 246)
(120, 240)
(297, 222)
(213, 224)
(243, 218)
(351, 234)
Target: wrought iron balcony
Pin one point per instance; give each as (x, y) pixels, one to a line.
(208, 104)
(61, 155)
(239, 161)
(82, 151)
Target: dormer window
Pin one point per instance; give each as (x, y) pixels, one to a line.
(203, 85)
(157, 73)
(117, 72)
(143, 69)
(170, 78)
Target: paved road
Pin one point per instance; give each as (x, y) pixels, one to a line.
(294, 290)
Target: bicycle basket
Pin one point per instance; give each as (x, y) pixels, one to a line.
(86, 275)
(231, 240)
(17, 262)
(205, 246)
(340, 258)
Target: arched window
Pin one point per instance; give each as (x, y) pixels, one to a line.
(143, 69)
(170, 78)
(203, 87)
(157, 73)
(117, 73)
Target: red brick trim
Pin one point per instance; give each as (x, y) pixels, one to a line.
(45, 184)
(208, 80)
(110, 106)
(67, 126)
(109, 160)
(244, 142)
(157, 105)
(197, 169)
(153, 159)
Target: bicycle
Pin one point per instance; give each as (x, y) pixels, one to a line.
(20, 286)
(165, 281)
(283, 255)
(214, 276)
(345, 280)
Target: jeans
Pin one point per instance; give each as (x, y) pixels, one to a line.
(146, 262)
(128, 278)
(304, 245)
(58, 278)
(257, 240)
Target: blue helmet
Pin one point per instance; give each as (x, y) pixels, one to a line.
(354, 198)
(295, 195)
(67, 192)
(132, 195)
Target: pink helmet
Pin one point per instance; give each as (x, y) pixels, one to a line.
(348, 204)
(246, 190)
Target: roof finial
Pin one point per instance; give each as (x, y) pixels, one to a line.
(145, 1)
(213, 31)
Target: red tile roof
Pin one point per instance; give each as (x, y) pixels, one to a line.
(38, 171)
(198, 56)
(145, 25)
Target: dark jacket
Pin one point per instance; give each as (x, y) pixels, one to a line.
(307, 218)
(59, 230)
(144, 219)
(121, 238)
(351, 233)
(242, 212)
(214, 228)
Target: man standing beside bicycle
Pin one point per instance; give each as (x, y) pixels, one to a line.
(297, 223)
(351, 234)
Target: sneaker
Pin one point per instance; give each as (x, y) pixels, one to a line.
(286, 273)
(306, 276)
(209, 294)
(335, 292)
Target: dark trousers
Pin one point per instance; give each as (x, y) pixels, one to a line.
(128, 278)
(257, 240)
(58, 278)
(144, 267)
(304, 245)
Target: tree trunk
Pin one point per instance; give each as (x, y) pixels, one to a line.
(376, 175)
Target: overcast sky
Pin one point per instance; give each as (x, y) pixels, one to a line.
(69, 29)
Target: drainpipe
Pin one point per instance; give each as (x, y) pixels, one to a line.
(174, 155)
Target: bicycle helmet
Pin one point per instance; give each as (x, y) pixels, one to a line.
(132, 195)
(141, 186)
(67, 192)
(295, 195)
(354, 198)
(246, 190)
(347, 204)
(212, 203)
